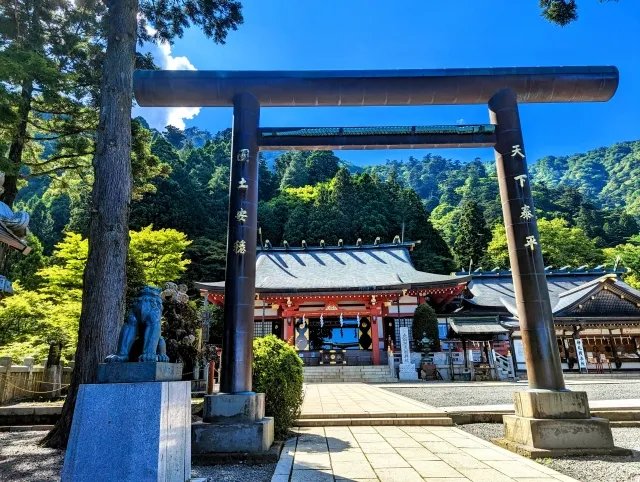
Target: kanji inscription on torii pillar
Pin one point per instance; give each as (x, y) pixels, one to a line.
(527, 268)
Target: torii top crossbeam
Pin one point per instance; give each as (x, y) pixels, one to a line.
(203, 88)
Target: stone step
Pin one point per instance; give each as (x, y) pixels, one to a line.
(370, 415)
(346, 422)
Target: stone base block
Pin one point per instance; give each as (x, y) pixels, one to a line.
(249, 458)
(554, 424)
(578, 433)
(535, 453)
(130, 431)
(407, 372)
(232, 437)
(554, 405)
(135, 372)
(233, 408)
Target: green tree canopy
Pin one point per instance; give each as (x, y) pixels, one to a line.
(160, 252)
(296, 174)
(473, 236)
(627, 255)
(562, 12)
(32, 318)
(561, 246)
(425, 324)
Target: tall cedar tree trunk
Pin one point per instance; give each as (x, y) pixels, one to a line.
(103, 298)
(18, 141)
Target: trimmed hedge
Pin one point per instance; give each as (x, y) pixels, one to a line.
(277, 372)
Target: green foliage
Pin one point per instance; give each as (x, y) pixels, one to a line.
(473, 235)
(561, 12)
(425, 324)
(322, 166)
(31, 320)
(629, 257)
(50, 309)
(277, 372)
(216, 323)
(350, 207)
(136, 278)
(296, 174)
(24, 269)
(180, 330)
(160, 252)
(561, 246)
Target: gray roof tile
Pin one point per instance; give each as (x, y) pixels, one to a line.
(339, 269)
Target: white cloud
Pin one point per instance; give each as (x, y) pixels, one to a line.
(460, 122)
(160, 117)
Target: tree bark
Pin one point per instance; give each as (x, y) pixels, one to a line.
(10, 186)
(103, 298)
(17, 144)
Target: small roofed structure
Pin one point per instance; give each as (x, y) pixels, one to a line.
(592, 305)
(345, 298)
(476, 329)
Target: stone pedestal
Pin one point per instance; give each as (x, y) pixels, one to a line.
(556, 424)
(130, 432)
(233, 423)
(407, 371)
(133, 372)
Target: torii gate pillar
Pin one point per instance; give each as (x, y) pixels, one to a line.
(549, 420)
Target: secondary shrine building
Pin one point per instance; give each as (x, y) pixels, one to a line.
(345, 304)
(342, 304)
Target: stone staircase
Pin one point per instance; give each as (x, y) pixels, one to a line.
(369, 420)
(348, 374)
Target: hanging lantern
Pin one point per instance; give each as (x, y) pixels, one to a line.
(303, 321)
(321, 320)
(358, 318)
(341, 320)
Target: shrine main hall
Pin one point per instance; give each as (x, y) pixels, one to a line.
(351, 298)
(349, 301)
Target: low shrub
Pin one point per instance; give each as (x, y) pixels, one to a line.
(277, 372)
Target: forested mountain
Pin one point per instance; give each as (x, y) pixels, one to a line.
(452, 206)
(586, 205)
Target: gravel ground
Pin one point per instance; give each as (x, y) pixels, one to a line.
(461, 395)
(235, 473)
(21, 460)
(585, 469)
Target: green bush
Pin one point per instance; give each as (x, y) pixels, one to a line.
(425, 323)
(277, 372)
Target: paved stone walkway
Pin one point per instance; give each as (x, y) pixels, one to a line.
(343, 399)
(402, 454)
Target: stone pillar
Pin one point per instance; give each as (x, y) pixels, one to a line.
(549, 420)
(239, 290)
(233, 420)
(525, 254)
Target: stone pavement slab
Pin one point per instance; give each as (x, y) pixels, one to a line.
(325, 400)
(448, 454)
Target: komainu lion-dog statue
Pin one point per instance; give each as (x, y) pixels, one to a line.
(140, 335)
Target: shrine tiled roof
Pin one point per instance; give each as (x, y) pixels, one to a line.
(477, 326)
(340, 268)
(495, 289)
(572, 294)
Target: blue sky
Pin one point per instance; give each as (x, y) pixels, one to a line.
(406, 34)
